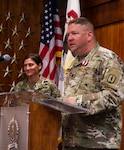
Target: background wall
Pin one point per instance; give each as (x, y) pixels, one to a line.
(20, 27)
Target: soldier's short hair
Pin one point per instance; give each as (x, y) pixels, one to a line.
(82, 21)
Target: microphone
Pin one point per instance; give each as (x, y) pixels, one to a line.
(5, 57)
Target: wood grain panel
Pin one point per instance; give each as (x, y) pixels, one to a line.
(106, 13)
(90, 3)
(112, 37)
(44, 125)
(32, 11)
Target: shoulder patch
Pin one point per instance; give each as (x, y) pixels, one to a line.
(112, 77)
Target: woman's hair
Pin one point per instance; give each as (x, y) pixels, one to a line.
(35, 57)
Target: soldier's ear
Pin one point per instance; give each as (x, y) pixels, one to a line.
(89, 35)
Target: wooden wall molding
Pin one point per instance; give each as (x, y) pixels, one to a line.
(105, 12)
(90, 3)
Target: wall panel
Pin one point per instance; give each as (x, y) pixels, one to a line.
(102, 12)
(112, 36)
(17, 19)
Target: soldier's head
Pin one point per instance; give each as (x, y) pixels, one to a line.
(80, 36)
(83, 21)
(32, 64)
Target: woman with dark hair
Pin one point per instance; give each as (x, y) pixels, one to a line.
(34, 81)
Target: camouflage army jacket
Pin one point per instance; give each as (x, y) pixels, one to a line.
(96, 81)
(43, 86)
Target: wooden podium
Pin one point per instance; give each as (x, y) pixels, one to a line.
(31, 121)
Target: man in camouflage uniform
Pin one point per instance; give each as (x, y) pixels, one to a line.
(94, 80)
(32, 66)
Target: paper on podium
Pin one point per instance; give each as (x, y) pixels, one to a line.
(13, 99)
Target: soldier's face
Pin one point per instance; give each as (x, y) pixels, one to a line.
(77, 38)
(31, 68)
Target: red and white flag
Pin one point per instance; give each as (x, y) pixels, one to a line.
(72, 11)
(51, 43)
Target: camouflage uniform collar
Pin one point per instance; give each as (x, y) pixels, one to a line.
(26, 80)
(86, 57)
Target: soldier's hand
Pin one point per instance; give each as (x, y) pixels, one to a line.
(70, 100)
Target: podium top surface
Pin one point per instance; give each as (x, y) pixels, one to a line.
(13, 99)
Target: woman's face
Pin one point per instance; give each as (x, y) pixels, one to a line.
(31, 68)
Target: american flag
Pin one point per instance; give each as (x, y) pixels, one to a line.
(51, 43)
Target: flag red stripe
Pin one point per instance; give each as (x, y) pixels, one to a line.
(58, 36)
(44, 52)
